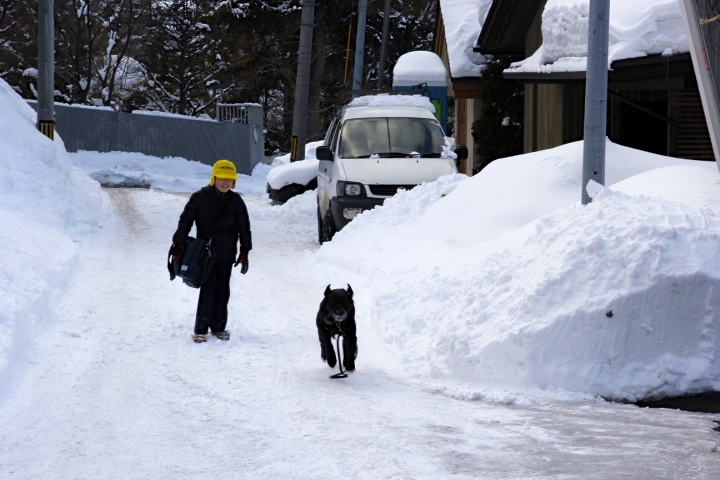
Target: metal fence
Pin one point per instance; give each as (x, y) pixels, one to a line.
(206, 141)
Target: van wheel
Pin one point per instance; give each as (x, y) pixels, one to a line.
(320, 226)
(328, 227)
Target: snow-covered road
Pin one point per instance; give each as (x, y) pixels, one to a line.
(114, 387)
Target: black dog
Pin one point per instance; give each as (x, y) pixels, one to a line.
(337, 317)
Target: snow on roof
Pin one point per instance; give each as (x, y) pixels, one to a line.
(638, 28)
(387, 100)
(420, 67)
(463, 20)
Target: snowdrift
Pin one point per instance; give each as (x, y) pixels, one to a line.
(617, 299)
(45, 202)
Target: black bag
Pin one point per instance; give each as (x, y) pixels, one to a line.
(195, 264)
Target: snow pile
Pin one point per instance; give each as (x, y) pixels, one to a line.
(509, 194)
(419, 67)
(507, 283)
(463, 20)
(618, 299)
(298, 215)
(131, 169)
(366, 236)
(302, 172)
(637, 28)
(45, 202)
(387, 100)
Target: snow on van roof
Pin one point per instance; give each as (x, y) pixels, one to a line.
(387, 100)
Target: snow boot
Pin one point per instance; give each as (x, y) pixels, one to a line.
(221, 335)
(199, 338)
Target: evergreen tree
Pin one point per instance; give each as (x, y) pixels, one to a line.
(498, 131)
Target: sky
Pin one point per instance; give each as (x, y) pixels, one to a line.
(491, 310)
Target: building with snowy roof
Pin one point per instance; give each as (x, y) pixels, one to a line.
(653, 97)
(457, 27)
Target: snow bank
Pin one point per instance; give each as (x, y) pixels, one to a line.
(173, 174)
(637, 28)
(302, 172)
(509, 194)
(45, 202)
(617, 299)
(509, 284)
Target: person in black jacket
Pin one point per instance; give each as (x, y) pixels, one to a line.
(220, 214)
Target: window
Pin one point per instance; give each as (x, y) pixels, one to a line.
(391, 137)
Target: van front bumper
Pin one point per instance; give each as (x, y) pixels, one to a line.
(344, 209)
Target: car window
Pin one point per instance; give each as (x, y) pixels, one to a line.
(398, 136)
(364, 137)
(333, 135)
(408, 135)
(329, 134)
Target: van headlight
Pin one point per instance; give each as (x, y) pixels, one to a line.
(350, 189)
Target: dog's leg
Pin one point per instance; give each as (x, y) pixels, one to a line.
(349, 347)
(327, 353)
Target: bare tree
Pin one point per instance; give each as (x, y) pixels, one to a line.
(120, 19)
(18, 43)
(182, 59)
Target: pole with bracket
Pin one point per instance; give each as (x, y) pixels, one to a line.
(302, 82)
(596, 93)
(46, 68)
(383, 47)
(358, 69)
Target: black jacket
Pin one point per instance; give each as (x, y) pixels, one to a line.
(204, 209)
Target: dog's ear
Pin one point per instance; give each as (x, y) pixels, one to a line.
(349, 290)
(327, 291)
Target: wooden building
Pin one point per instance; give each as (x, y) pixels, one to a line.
(654, 103)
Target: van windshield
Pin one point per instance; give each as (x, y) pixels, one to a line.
(391, 137)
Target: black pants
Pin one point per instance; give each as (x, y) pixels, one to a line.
(212, 309)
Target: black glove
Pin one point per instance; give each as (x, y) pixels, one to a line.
(242, 259)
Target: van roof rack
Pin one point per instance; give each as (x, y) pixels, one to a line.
(420, 88)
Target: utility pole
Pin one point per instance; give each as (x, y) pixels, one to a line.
(596, 86)
(46, 68)
(383, 47)
(359, 46)
(302, 82)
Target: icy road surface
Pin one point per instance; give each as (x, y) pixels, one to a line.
(114, 387)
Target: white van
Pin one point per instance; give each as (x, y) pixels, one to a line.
(375, 146)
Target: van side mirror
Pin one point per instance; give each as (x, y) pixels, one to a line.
(461, 152)
(324, 153)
